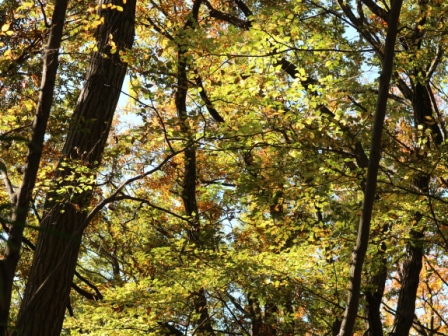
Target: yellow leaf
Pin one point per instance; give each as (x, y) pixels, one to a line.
(5, 27)
(119, 8)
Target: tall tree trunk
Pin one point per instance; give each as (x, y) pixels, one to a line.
(47, 292)
(423, 115)
(22, 197)
(409, 285)
(348, 322)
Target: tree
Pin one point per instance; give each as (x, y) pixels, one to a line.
(223, 198)
(65, 217)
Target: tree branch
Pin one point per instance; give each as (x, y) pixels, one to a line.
(377, 10)
(243, 7)
(6, 181)
(207, 101)
(227, 17)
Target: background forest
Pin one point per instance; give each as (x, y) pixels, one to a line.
(252, 181)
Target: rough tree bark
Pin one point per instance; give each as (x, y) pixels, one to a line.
(47, 292)
(21, 198)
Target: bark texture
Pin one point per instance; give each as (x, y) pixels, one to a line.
(47, 292)
(22, 197)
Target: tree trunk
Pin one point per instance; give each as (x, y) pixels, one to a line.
(204, 322)
(47, 292)
(22, 197)
(350, 315)
(376, 285)
(255, 315)
(374, 297)
(409, 285)
(423, 112)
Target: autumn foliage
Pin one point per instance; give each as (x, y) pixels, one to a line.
(221, 194)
